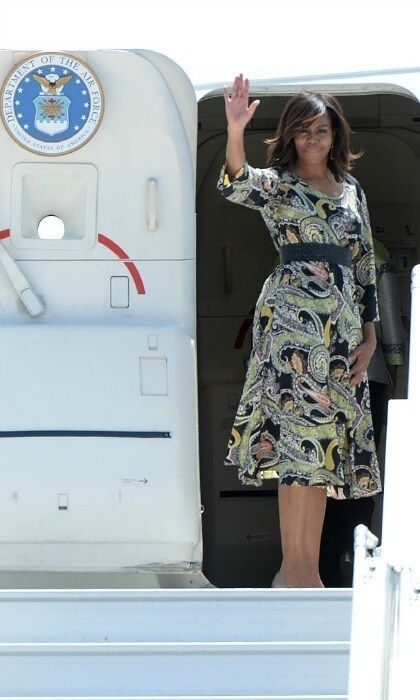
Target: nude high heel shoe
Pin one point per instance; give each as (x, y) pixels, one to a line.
(279, 582)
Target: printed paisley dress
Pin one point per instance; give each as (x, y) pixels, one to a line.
(298, 420)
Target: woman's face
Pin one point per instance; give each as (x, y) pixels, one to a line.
(314, 140)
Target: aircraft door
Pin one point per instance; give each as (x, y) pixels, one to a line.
(99, 438)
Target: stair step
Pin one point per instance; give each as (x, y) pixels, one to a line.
(181, 697)
(170, 615)
(175, 643)
(181, 668)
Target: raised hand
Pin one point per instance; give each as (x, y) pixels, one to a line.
(238, 114)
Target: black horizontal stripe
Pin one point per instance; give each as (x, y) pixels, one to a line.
(85, 433)
(249, 493)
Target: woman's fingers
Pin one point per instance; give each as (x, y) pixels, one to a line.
(242, 83)
(240, 88)
(253, 106)
(234, 90)
(236, 86)
(356, 373)
(356, 376)
(237, 110)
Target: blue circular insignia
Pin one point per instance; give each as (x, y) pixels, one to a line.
(52, 103)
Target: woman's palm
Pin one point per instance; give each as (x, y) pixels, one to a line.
(238, 113)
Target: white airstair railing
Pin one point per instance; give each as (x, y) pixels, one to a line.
(385, 628)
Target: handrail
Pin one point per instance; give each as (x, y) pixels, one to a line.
(370, 632)
(385, 631)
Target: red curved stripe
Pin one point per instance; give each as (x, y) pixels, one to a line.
(243, 329)
(121, 254)
(117, 250)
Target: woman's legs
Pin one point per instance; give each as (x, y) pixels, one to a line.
(301, 511)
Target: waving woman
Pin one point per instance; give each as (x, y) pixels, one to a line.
(304, 414)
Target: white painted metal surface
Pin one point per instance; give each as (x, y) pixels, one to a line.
(386, 595)
(99, 393)
(214, 615)
(219, 643)
(191, 697)
(391, 81)
(261, 668)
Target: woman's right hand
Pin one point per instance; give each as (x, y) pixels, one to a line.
(238, 114)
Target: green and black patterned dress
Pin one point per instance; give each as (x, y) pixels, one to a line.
(298, 420)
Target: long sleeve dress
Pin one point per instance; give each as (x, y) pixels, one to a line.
(298, 420)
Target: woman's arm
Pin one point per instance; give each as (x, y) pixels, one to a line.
(365, 271)
(361, 356)
(369, 334)
(238, 181)
(238, 114)
(235, 152)
(365, 278)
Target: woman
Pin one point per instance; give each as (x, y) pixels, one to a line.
(304, 414)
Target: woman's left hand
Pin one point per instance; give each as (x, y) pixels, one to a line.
(362, 354)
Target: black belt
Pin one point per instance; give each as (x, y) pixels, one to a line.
(328, 252)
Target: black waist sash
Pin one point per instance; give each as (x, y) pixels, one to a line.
(328, 252)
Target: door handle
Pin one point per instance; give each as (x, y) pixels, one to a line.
(152, 204)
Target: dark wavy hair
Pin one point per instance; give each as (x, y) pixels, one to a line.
(302, 109)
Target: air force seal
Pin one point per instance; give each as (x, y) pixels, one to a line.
(51, 104)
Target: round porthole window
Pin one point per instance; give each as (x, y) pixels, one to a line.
(51, 228)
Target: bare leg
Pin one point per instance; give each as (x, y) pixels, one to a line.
(301, 515)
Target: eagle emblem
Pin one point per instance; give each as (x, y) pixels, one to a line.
(52, 108)
(52, 84)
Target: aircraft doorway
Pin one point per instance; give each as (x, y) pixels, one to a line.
(235, 254)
